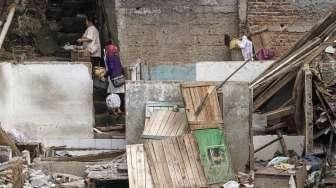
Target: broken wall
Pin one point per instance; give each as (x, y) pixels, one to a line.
(175, 32)
(46, 100)
(235, 106)
(279, 24)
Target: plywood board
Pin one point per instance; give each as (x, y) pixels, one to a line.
(166, 123)
(138, 169)
(210, 115)
(214, 154)
(174, 162)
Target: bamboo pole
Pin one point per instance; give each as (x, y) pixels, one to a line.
(7, 24)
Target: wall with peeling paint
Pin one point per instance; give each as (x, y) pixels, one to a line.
(205, 71)
(46, 100)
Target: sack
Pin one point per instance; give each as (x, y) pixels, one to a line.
(118, 81)
(98, 83)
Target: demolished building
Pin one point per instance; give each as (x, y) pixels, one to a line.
(184, 126)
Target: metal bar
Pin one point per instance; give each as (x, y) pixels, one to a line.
(200, 106)
(267, 144)
(7, 24)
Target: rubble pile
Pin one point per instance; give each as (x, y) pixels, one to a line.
(297, 96)
(109, 170)
(37, 178)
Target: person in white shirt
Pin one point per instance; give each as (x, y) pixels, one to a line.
(91, 41)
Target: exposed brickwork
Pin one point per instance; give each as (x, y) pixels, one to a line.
(285, 20)
(176, 31)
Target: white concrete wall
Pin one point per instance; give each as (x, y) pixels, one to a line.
(49, 100)
(219, 71)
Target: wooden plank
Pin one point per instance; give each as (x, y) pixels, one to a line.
(279, 113)
(264, 97)
(214, 154)
(210, 112)
(188, 105)
(173, 168)
(138, 170)
(151, 158)
(159, 152)
(282, 63)
(166, 123)
(308, 111)
(182, 165)
(186, 161)
(176, 165)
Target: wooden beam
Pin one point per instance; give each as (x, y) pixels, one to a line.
(279, 113)
(282, 142)
(7, 24)
(301, 51)
(276, 126)
(269, 92)
(308, 111)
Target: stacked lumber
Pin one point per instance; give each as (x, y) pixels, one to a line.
(308, 76)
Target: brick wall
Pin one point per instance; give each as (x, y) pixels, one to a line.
(175, 31)
(283, 22)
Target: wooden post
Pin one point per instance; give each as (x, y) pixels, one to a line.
(308, 111)
(251, 148)
(7, 24)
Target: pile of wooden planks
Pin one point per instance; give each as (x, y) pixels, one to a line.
(296, 86)
(182, 148)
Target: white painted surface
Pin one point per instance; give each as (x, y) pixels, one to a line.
(219, 71)
(295, 143)
(49, 100)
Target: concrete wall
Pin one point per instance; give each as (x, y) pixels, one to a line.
(285, 21)
(236, 99)
(235, 113)
(219, 71)
(138, 93)
(206, 71)
(175, 31)
(48, 100)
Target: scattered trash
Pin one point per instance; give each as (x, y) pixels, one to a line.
(231, 184)
(277, 160)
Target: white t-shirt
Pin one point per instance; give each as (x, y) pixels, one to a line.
(93, 46)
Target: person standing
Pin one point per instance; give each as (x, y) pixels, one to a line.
(91, 41)
(115, 73)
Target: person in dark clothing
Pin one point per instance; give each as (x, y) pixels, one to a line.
(115, 72)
